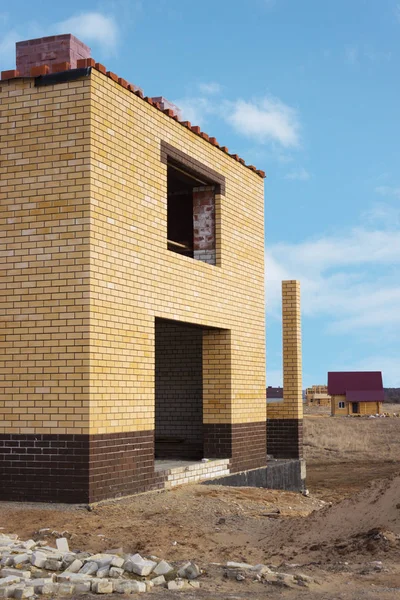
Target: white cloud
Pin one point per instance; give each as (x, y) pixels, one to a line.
(300, 174)
(389, 365)
(387, 190)
(352, 55)
(352, 279)
(210, 88)
(383, 214)
(355, 247)
(268, 120)
(355, 54)
(265, 120)
(376, 55)
(274, 377)
(7, 49)
(196, 110)
(91, 27)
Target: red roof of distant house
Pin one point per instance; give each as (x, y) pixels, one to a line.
(365, 395)
(274, 392)
(358, 386)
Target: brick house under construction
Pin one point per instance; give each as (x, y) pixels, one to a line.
(133, 322)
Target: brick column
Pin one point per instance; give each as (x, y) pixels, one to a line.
(243, 442)
(217, 393)
(285, 423)
(50, 50)
(204, 224)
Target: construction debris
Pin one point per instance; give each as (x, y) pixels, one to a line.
(33, 568)
(29, 569)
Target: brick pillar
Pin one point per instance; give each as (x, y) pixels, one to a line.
(285, 424)
(217, 393)
(204, 224)
(50, 50)
(224, 437)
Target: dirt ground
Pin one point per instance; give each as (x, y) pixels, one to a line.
(350, 521)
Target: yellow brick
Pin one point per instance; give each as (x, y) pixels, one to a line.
(89, 268)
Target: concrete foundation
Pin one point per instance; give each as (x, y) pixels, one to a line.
(287, 475)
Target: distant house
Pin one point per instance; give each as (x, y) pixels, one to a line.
(317, 395)
(356, 392)
(274, 394)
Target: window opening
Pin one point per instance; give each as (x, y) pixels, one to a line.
(190, 214)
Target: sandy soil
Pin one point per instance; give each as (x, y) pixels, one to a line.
(350, 520)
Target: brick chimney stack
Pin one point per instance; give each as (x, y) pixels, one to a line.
(50, 50)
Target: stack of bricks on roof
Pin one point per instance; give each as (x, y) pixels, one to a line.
(55, 54)
(134, 307)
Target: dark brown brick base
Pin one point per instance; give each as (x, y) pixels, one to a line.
(76, 468)
(243, 443)
(285, 438)
(47, 468)
(83, 468)
(121, 464)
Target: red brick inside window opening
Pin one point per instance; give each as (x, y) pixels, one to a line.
(204, 224)
(190, 215)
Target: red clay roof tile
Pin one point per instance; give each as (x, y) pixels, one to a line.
(89, 62)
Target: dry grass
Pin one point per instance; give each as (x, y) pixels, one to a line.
(351, 439)
(326, 410)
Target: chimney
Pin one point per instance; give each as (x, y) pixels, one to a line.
(51, 50)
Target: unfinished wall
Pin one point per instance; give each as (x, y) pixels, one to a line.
(285, 420)
(179, 391)
(44, 297)
(134, 268)
(84, 191)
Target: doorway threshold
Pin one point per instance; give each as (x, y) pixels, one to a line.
(178, 472)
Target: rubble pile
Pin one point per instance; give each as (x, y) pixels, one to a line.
(32, 568)
(263, 574)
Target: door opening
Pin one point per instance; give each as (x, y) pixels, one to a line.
(178, 390)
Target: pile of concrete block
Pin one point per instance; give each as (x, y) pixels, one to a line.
(264, 574)
(33, 568)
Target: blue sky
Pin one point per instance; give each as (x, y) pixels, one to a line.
(307, 91)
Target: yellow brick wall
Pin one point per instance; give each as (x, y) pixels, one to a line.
(292, 406)
(44, 254)
(275, 410)
(87, 270)
(135, 278)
